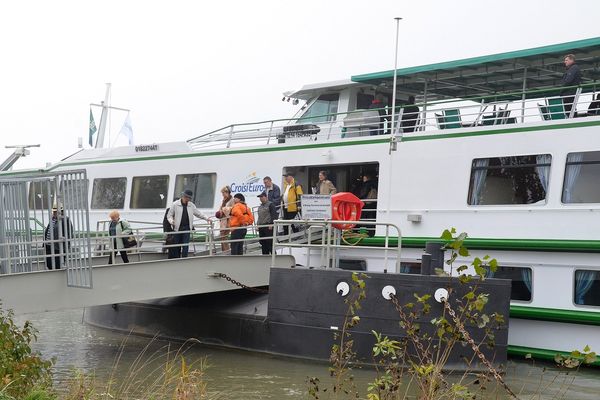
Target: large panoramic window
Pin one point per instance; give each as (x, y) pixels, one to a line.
(586, 290)
(521, 286)
(509, 180)
(149, 191)
(582, 174)
(318, 111)
(109, 193)
(203, 186)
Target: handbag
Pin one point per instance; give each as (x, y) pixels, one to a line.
(128, 241)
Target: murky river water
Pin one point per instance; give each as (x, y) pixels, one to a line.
(243, 375)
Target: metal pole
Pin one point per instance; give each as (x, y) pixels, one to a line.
(395, 82)
(103, 117)
(424, 117)
(523, 96)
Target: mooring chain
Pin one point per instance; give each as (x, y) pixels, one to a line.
(475, 348)
(230, 279)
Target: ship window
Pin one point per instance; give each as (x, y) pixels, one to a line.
(319, 111)
(203, 186)
(587, 288)
(408, 267)
(520, 278)
(149, 191)
(109, 193)
(353, 265)
(582, 173)
(38, 195)
(509, 180)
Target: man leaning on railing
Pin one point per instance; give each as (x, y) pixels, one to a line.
(181, 217)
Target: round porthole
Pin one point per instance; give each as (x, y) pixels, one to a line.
(342, 289)
(388, 291)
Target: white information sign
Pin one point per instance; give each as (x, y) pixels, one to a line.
(316, 206)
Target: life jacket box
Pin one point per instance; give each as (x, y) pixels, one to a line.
(361, 123)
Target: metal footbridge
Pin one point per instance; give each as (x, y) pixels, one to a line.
(51, 260)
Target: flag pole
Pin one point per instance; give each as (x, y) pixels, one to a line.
(393, 143)
(102, 127)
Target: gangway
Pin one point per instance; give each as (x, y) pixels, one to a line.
(152, 278)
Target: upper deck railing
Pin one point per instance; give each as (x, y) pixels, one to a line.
(544, 106)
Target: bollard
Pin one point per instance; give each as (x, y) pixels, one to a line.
(426, 268)
(437, 255)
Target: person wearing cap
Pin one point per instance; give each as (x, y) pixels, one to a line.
(241, 217)
(52, 247)
(181, 217)
(267, 213)
(291, 197)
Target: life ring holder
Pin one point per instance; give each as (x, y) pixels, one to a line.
(345, 207)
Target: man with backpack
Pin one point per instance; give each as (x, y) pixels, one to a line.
(181, 217)
(241, 217)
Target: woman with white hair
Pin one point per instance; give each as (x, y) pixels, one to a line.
(118, 230)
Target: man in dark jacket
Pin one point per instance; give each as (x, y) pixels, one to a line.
(266, 215)
(273, 192)
(54, 247)
(571, 77)
(410, 114)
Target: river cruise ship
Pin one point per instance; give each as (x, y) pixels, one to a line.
(496, 146)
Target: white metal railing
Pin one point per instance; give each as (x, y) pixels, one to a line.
(330, 240)
(439, 116)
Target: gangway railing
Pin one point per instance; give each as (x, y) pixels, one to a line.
(328, 241)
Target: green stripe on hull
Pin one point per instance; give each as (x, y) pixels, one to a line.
(555, 315)
(592, 246)
(539, 354)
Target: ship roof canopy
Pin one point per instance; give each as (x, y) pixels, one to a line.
(493, 74)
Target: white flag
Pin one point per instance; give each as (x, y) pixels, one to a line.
(127, 130)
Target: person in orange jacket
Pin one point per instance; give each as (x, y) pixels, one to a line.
(241, 217)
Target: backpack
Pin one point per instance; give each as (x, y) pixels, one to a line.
(247, 217)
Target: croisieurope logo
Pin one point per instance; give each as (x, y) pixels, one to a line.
(250, 184)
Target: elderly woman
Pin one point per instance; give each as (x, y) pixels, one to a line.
(224, 214)
(117, 231)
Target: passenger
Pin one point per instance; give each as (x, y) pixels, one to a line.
(368, 194)
(325, 186)
(594, 108)
(410, 115)
(571, 77)
(167, 228)
(241, 217)
(273, 192)
(116, 230)
(267, 213)
(223, 214)
(291, 198)
(52, 233)
(379, 104)
(181, 217)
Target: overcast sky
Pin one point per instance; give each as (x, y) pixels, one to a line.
(187, 67)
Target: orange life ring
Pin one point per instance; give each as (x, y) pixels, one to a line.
(345, 207)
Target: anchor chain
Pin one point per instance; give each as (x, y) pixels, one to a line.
(230, 279)
(475, 348)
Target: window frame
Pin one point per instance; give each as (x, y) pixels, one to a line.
(213, 176)
(536, 204)
(166, 199)
(567, 163)
(574, 282)
(303, 119)
(110, 208)
(532, 291)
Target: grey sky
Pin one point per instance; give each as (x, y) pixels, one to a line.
(187, 67)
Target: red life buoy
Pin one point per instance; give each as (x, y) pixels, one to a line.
(345, 207)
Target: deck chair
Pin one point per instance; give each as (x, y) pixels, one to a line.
(556, 108)
(503, 117)
(544, 112)
(440, 121)
(452, 118)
